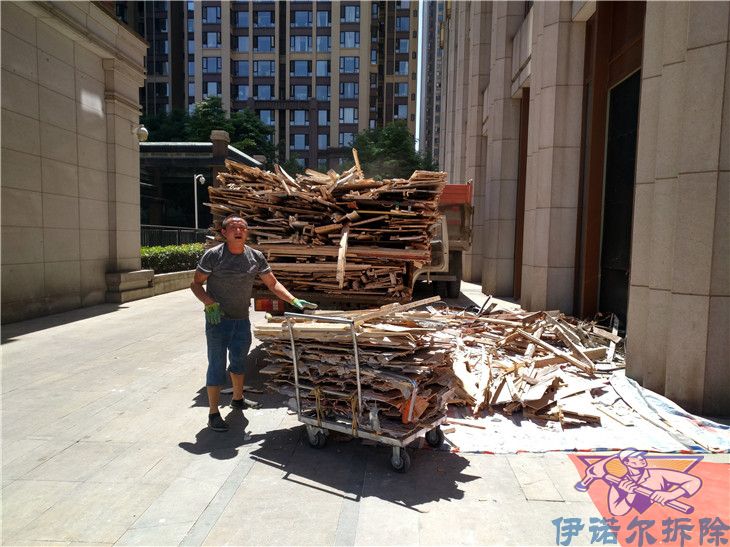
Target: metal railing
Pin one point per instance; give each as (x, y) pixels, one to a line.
(151, 235)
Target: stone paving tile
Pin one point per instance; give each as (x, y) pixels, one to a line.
(24, 501)
(531, 473)
(78, 462)
(34, 457)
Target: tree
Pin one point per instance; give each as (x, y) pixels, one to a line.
(166, 127)
(389, 152)
(250, 135)
(207, 116)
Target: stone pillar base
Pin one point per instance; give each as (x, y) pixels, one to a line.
(127, 286)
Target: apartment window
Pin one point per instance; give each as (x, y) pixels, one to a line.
(323, 19)
(350, 39)
(300, 68)
(373, 56)
(191, 26)
(350, 14)
(346, 139)
(300, 162)
(301, 19)
(323, 68)
(402, 23)
(212, 39)
(300, 141)
(191, 89)
(300, 43)
(241, 43)
(349, 90)
(264, 19)
(264, 92)
(402, 4)
(324, 44)
(401, 45)
(402, 67)
(299, 117)
(191, 108)
(241, 92)
(263, 43)
(348, 115)
(323, 118)
(191, 6)
(400, 112)
(191, 68)
(162, 89)
(191, 45)
(162, 47)
(211, 89)
(240, 68)
(323, 142)
(212, 65)
(373, 79)
(300, 92)
(374, 10)
(322, 163)
(349, 65)
(401, 89)
(267, 117)
(371, 124)
(323, 93)
(161, 68)
(242, 19)
(212, 15)
(263, 68)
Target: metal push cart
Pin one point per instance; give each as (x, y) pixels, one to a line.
(318, 427)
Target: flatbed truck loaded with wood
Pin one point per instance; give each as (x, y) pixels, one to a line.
(345, 240)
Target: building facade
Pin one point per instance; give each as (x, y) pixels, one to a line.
(429, 135)
(598, 137)
(71, 75)
(317, 72)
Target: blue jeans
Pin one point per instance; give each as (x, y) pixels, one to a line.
(231, 338)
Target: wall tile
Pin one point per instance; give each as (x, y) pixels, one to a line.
(653, 51)
(62, 278)
(641, 235)
(18, 56)
(54, 43)
(92, 123)
(60, 211)
(646, 148)
(20, 133)
(694, 228)
(21, 282)
(93, 153)
(504, 277)
(93, 276)
(725, 131)
(20, 170)
(708, 23)
(60, 177)
(93, 184)
(88, 62)
(19, 94)
(568, 115)
(506, 239)
(636, 362)
(717, 375)
(655, 341)
(561, 251)
(94, 244)
(687, 351)
(662, 234)
(507, 199)
(57, 109)
(559, 294)
(60, 244)
(702, 116)
(565, 175)
(720, 278)
(21, 207)
(89, 91)
(58, 144)
(674, 45)
(56, 75)
(93, 214)
(542, 237)
(22, 245)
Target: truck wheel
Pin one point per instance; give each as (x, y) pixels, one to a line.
(453, 288)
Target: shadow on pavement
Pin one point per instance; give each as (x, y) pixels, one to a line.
(343, 465)
(222, 446)
(10, 331)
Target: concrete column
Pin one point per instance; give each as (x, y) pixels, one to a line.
(553, 163)
(502, 166)
(122, 85)
(679, 300)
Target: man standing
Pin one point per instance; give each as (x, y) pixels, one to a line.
(229, 271)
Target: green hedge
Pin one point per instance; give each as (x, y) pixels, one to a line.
(172, 258)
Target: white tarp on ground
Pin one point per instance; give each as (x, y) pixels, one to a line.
(659, 425)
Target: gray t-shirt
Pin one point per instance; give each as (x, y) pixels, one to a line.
(231, 277)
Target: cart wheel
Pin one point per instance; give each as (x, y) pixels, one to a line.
(316, 439)
(435, 437)
(400, 460)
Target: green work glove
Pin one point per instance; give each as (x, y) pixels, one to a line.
(302, 304)
(213, 313)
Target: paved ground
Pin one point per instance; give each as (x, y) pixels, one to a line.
(104, 442)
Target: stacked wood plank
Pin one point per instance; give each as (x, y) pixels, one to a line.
(545, 364)
(340, 234)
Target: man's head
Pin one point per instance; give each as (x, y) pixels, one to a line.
(632, 458)
(234, 229)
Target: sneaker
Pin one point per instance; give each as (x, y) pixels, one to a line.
(244, 403)
(216, 423)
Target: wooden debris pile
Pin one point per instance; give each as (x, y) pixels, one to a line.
(545, 364)
(405, 369)
(335, 233)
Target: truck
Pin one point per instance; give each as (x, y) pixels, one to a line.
(452, 236)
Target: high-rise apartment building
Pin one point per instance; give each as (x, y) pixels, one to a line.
(429, 134)
(317, 72)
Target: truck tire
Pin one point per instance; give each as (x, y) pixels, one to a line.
(453, 288)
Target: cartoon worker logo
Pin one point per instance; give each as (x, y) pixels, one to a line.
(637, 482)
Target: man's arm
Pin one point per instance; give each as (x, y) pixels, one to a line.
(276, 287)
(198, 290)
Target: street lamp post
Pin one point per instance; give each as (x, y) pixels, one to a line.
(197, 179)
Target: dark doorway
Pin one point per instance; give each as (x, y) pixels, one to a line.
(618, 198)
(521, 185)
